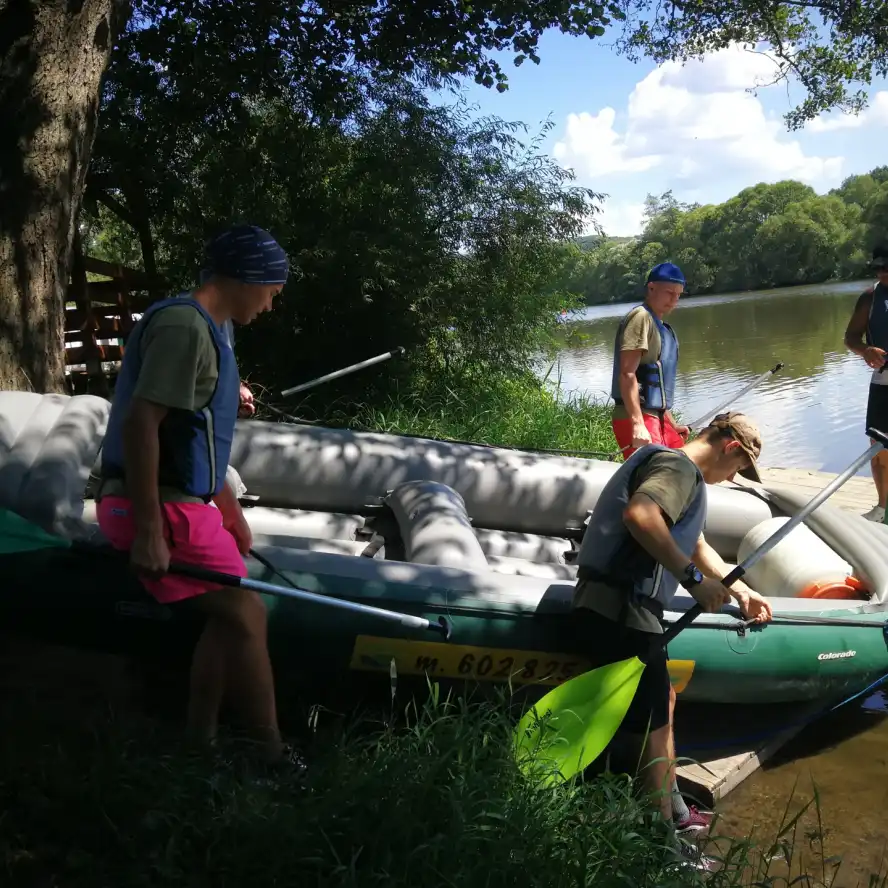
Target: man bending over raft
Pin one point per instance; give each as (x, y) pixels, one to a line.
(164, 462)
(645, 367)
(645, 537)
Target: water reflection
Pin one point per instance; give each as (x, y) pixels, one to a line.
(845, 756)
(811, 413)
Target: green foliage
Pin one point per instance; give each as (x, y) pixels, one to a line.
(434, 800)
(826, 46)
(407, 224)
(513, 411)
(767, 236)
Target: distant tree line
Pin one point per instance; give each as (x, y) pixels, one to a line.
(767, 236)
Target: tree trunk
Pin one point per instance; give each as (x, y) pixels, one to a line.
(52, 56)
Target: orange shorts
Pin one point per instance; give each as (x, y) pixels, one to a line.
(195, 535)
(661, 433)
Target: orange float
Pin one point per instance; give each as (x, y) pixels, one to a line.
(849, 588)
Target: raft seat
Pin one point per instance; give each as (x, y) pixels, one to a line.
(526, 546)
(435, 527)
(333, 547)
(521, 568)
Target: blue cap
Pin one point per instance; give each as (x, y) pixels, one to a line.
(666, 272)
(248, 254)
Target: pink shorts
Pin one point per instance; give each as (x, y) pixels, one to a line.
(195, 535)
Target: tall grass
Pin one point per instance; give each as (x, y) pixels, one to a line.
(434, 801)
(512, 412)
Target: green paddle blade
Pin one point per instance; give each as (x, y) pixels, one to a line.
(565, 731)
(17, 534)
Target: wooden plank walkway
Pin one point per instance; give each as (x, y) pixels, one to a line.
(717, 772)
(713, 773)
(856, 495)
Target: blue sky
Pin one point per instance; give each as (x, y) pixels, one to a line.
(630, 129)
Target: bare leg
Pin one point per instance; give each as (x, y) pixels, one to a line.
(207, 685)
(657, 761)
(879, 465)
(251, 681)
(239, 639)
(679, 808)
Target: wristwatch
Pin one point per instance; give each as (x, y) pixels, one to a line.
(691, 576)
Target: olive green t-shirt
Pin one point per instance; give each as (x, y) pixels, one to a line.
(639, 332)
(179, 370)
(670, 479)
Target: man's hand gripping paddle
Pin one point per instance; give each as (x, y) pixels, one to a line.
(568, 728)
(19, 535)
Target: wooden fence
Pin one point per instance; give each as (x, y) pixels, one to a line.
(99, 315)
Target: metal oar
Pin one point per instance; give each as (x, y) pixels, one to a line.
(747, 388)
(19, 535)
(343, 372)
(710, 413)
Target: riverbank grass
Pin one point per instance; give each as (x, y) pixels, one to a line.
(492, 410)
(435, 800)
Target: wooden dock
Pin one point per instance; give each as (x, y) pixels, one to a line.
(858, 494)
(706, 735)
(717, 771)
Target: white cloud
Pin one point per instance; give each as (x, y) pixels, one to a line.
(698, 122)
(875, 114)
(603, 150)
(620, 218)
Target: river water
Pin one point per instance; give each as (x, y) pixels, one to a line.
(811, 415)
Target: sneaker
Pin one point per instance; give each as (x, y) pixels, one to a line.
(876, 513)
(290, 767)
(691, 857)
(695, 821)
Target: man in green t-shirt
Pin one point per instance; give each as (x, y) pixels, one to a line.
(645, 365)
(645, 537)
(163, 495)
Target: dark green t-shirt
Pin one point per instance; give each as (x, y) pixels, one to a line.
(670, 479)
(179, 370)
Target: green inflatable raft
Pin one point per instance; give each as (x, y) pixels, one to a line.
(483, 537)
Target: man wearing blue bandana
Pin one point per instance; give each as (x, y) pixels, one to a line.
(247, 406)
(645, 367)
(164, 463)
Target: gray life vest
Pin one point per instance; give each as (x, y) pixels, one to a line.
(610, 554)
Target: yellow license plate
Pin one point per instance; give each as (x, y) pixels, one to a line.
(440, 660)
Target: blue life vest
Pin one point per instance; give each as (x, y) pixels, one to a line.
(194, 445)
(877, 323)
(610, 554)
(656, 381)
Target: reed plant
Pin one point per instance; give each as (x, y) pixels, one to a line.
(520, 411)
(430, 798)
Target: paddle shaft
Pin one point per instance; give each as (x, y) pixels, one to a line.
(343, 372)
(881, 440)
(223, 579)
(747, 388)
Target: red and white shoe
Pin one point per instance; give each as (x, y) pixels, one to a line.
(696, 821)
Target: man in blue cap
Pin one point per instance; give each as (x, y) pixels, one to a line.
(645, 366)
(164, 462)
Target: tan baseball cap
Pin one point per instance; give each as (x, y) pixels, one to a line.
(745, 432)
